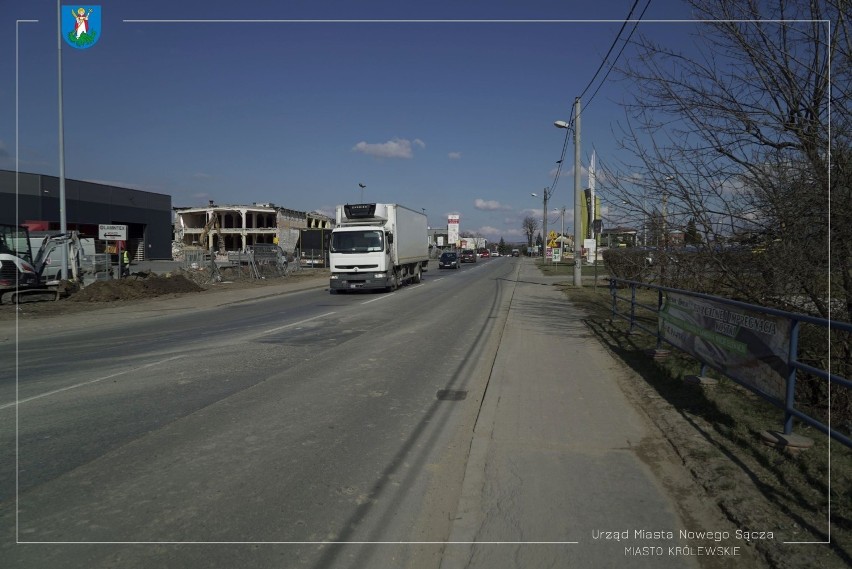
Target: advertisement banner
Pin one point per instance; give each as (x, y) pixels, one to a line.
(746, 345)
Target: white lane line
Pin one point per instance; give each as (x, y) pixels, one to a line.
(90, 382)
(295, 323)
(380, 298)
(407, 287)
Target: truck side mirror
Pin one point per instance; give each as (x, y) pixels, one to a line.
(390, 238)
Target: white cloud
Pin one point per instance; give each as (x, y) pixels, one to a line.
(488, 205)
(454, 155)
(396, 148)
(488, 231)
(567, 173)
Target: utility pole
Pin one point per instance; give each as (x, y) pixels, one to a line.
(544, 227)
(578, 204)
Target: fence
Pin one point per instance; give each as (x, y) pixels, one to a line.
(755, 346)
(259, 261)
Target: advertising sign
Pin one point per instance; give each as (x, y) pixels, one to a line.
(453, 228)
(590, 245)
(748, 346)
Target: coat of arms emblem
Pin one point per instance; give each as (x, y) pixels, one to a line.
(81, 25)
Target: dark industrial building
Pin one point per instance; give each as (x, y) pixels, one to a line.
(33, 200)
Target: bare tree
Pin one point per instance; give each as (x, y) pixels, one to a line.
(737, 138)
(529, 227)
(748, 135)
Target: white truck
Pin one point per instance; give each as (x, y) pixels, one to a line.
(377, 246)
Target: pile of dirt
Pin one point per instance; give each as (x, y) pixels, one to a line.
(135, 288)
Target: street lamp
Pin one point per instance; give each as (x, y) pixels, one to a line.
(578, 205)
(362, 186)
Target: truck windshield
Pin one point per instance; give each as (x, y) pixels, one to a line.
(357, 241)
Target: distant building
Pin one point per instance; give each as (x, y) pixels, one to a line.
(619, 237)
(439, 238)
(33, 200)
(222, 228)
(475, 243)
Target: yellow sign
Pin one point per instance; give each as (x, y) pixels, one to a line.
(551, 239)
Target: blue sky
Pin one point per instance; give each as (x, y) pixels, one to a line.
(449, 116)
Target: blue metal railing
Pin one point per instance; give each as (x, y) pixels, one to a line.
(794, 365)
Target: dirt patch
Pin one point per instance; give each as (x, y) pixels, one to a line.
(135, 288)
(142, 287)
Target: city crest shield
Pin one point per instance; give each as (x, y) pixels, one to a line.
(81, 25)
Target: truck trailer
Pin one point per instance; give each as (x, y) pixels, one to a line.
(377, 246)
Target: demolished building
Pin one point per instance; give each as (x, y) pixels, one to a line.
(223, 228)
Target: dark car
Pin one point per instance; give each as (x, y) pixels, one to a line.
(448, 261)
(468, 256)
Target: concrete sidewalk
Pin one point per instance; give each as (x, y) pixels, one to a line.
(556, 451)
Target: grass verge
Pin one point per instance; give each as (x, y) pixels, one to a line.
(716, 432)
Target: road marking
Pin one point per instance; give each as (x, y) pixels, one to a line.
(296, 323)
(388, 295)
(90, 382)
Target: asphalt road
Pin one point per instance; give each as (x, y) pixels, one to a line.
(334, 426)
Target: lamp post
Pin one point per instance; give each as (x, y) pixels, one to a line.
(362, 186)
(578, 205)
(63, 222)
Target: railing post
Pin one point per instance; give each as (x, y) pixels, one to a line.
(613, 292)
(659, 327)
(792, 357)
(632, 307)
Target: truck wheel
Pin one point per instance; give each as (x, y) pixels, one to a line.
(418, 276)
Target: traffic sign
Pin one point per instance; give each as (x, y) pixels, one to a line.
(112, 232)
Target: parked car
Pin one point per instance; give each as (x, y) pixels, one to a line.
(484, 253)
(468, 256)
(516, 253)
(448, 261)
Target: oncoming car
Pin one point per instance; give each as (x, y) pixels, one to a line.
(468, 256)
(448, 261)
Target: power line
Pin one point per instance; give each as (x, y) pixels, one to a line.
(611, 47)
(614, 61)
(611, 67)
